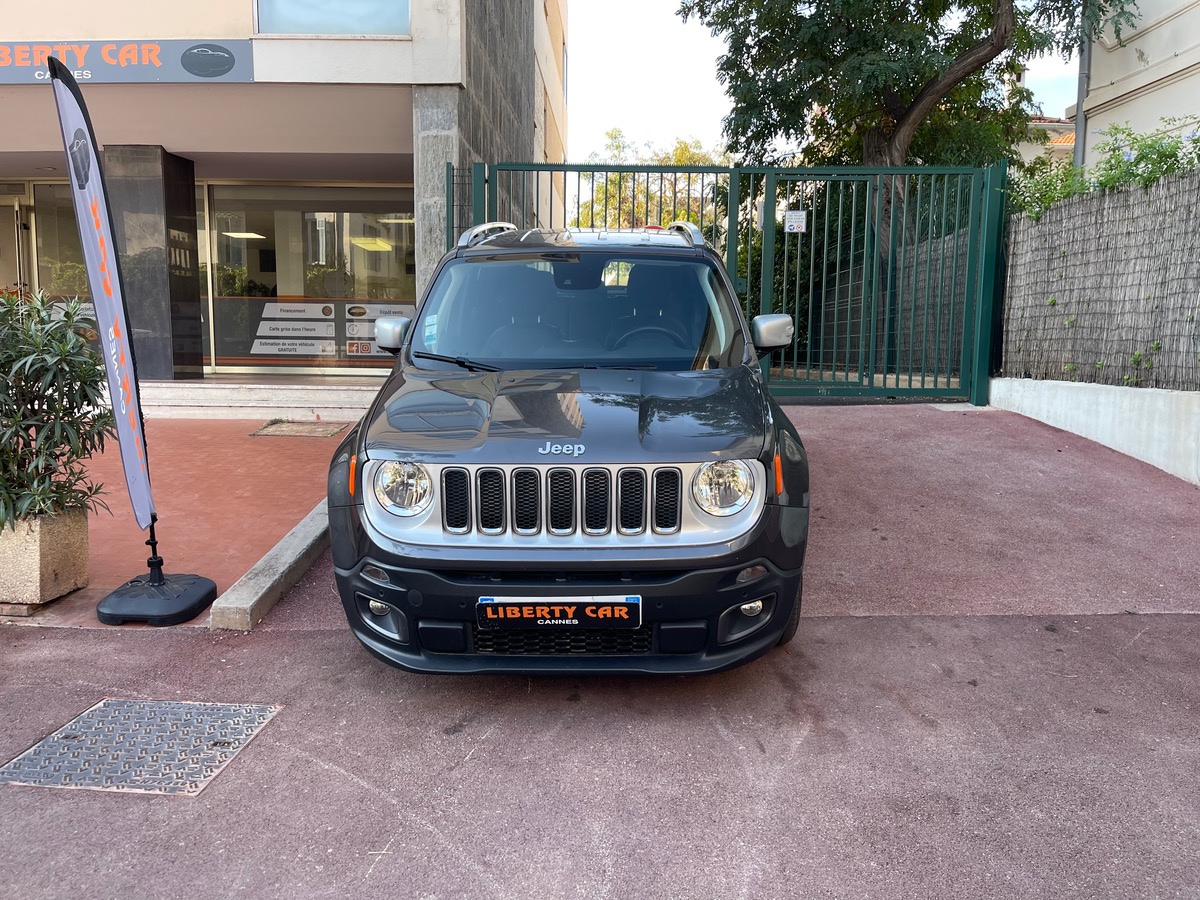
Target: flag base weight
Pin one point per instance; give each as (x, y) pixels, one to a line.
(175, 599)
(155, 598)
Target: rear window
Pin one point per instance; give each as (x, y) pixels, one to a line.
(581, 309)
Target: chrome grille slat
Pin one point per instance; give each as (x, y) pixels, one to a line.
(668, 489)
(526, 500)
(597, 501)
(456, 503)
(490, 510)
(631, 501)
(561, 493)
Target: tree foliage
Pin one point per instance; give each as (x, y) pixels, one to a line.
(618, 199)
(882, 81)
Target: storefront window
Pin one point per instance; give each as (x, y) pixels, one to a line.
(300, 274)
(61, 269)
(333, 17)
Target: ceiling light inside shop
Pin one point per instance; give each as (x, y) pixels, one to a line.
(396, 220)
(373, 244)
(245, 235)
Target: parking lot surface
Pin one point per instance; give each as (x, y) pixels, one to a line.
(994, 693)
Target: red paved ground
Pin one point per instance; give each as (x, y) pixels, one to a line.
(966, 752)
(956, 510)
(224, 498)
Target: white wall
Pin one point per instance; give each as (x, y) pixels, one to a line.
(1156, 72)
(1156, 426)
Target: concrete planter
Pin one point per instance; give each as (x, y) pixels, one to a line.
(44, 558)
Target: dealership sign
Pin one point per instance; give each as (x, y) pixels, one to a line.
(109, 62)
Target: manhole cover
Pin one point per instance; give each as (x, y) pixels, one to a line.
(300, 429)
(146, 746)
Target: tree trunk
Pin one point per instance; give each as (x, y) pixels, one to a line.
(891, 149)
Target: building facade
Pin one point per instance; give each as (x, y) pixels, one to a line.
(1154, 73)
(276, 168)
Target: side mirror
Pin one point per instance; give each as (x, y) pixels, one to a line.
(390, 332)
(771, 331)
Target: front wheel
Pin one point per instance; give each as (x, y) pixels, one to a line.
(793, 622)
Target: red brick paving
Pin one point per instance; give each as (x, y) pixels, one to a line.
(224, 497)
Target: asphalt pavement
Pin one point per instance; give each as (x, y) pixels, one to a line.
(995, 692)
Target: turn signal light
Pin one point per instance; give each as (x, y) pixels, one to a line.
(750, 573)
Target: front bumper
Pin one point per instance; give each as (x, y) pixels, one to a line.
(691, 617)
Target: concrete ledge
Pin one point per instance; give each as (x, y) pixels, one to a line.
(1156, 426)
(250, 598)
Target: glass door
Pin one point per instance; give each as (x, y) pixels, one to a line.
(60, 267)
(14, 251)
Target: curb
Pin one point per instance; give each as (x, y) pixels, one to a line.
(251, 597)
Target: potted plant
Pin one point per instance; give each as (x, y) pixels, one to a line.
(53, 417)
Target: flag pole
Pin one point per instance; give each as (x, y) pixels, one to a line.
(154, 598)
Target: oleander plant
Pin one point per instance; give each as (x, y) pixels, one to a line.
(53, 412)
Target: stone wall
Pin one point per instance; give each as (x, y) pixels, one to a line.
(489, 118)
(498, 103)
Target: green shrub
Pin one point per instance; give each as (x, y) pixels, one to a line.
(1043, 183)
(1142, 159)
(52, 412)
(1127, 158)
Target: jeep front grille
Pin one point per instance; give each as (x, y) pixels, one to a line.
(561, 501)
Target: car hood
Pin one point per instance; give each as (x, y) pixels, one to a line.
(604, 416)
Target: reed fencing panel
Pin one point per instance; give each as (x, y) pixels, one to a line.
(1105, 288)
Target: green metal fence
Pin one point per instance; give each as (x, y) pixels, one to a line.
(890, 274)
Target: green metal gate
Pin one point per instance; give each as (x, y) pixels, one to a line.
(890, 274)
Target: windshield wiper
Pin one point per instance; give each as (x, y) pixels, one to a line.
(461, 361)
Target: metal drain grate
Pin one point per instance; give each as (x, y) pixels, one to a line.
(144, 746)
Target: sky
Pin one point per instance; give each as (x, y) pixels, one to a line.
(635, 65)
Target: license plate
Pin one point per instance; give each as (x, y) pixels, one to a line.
(618, 611)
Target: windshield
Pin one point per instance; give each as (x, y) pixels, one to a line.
(577, 309)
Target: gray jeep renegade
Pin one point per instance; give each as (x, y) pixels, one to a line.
(574, 466)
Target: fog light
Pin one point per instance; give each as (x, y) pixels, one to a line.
(382, 609)
(751, 573)
(753, 608)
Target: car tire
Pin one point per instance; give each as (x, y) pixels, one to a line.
(793, 622)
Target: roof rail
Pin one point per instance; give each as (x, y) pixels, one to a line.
(473, 236)
(693, 233)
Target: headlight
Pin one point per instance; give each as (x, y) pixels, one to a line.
(723, 488)
(403, 488)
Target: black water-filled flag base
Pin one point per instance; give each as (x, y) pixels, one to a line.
(158, 599)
